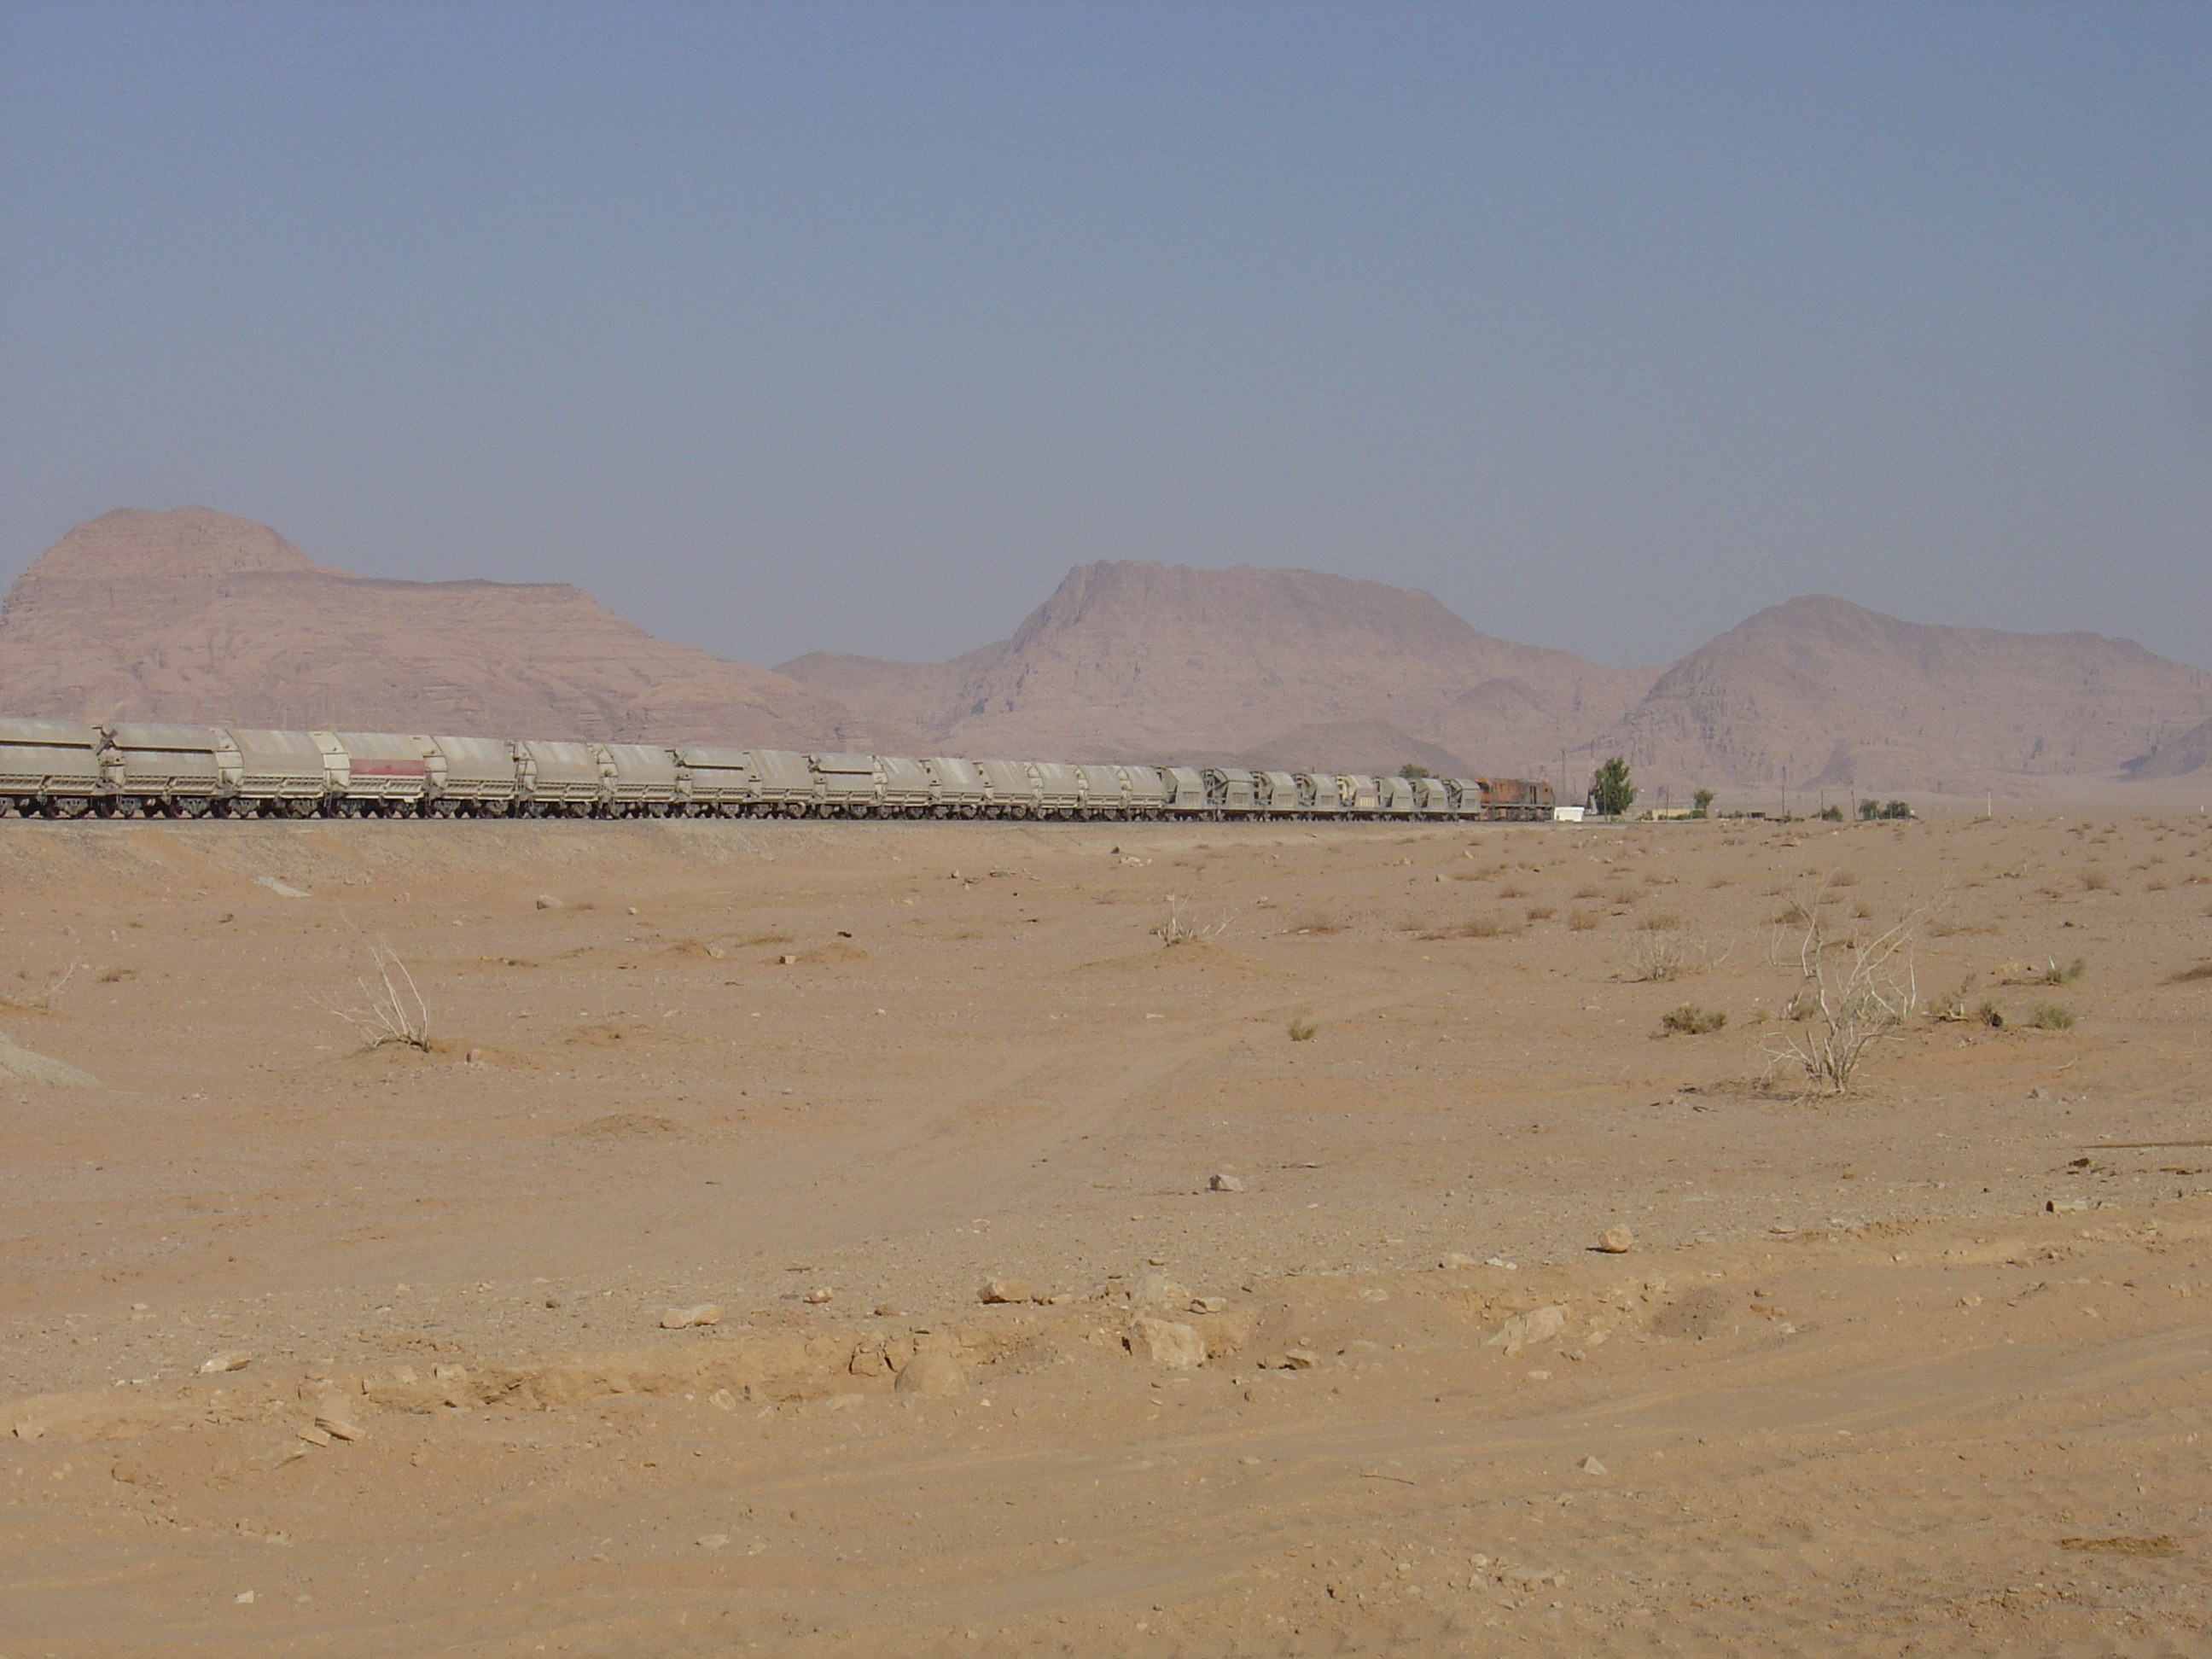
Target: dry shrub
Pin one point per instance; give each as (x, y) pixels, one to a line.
(1177, 928)
(1319, 922)
(1844, 878)
(1541, 913)
(1301, 1030)
(1660, 921)
(1512, 890)
(2050, 1017)
(2202, 970)
(1793, 915)
(1582, 921)
(1590, 889)
(391, 1010)
(1628, 896)
(1488, 927)
(1853, 997)
(2095, 880)
(1690, 1020)
(48, 992)
(1656, 955)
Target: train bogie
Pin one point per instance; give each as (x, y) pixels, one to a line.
(1148, 790)
(383, 770)
(1060, 788)
(643, 778)
(473, 776)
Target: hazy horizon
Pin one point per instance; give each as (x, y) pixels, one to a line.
(786, 328)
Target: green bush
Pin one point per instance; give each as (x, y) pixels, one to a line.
(2050, 1017)
(1612, 792)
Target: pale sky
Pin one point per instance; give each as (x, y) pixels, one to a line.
(853, 326)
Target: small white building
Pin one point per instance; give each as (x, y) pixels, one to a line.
(1567, 814)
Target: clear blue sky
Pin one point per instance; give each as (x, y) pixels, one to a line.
(852, 326)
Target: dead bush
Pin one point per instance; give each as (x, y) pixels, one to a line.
(1853, 997)
(2202, 970)
(391, 1010)
(43, 993)
(1582, 921)
(1178, 928)
(1690, 1020)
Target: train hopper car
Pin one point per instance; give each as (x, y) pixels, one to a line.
(958, 789)
(54, 769)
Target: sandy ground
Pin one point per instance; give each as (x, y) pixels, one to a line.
(1920, 1369)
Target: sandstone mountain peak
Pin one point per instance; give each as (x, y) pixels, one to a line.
(195, 615)
(183, 544)
(1166, 662)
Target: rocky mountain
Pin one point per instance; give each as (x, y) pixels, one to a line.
(2189, 752)
(195, 616)
(1820, 692)
(1154, 661)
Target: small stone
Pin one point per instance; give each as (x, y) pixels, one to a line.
(1616, 1241)
(820, 1294)
(2066, 1206)
(1220, 1182)
(1455, 1261)
(1208, 1304)
(2038, 1094)
(682, 1319)
(722, 1401)
(236, 1360)
(715, 1540)
(244, 1598)
(28, 1431)
(338, 1428)
(547, 902)
(1166, 1342)
(1156, 1287)
(1970, 1300)
(887, 1310)
(1537, 1325)
(1300, 1359)
(933, 1376)
(1590, 1466)
(1005, 1290)
(315, 1437)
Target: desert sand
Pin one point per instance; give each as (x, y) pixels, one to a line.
(316, 1348)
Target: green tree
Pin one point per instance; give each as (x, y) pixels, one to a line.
(1611, 791)
(1701, 803)
(1412, 769)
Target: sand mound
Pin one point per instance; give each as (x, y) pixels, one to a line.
(625, 1126)
(695, 949)
(21, 1066)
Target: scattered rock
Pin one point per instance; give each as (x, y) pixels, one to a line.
(547, 902)
(315, 1437)
(722, 1401)
(933, 1376)
(1299, 1359)
(1165, 1342)
(28, 1431)
(1208, 1304)
(338, 1428)
(1537, 1325)
(682, 1319)
(1970, 1300)
(715, 1540)
(282, 889)
(2038, 1094)
(2066, 1206)
(820, 1294)
(1455, 1259)
(236, 1360)
(1616, 1241)
(845, 1402)
(1590, 1466)
(243, 1598)
(887, 1310)
(1005, 1290)
(1220, 1182)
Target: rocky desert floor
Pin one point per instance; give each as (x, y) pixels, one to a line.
(317, 1348)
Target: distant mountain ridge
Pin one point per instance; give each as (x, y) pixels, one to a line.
(192, 615)
(195, 615)
(1252, 666)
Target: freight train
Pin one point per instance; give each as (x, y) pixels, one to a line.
(68, 769)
